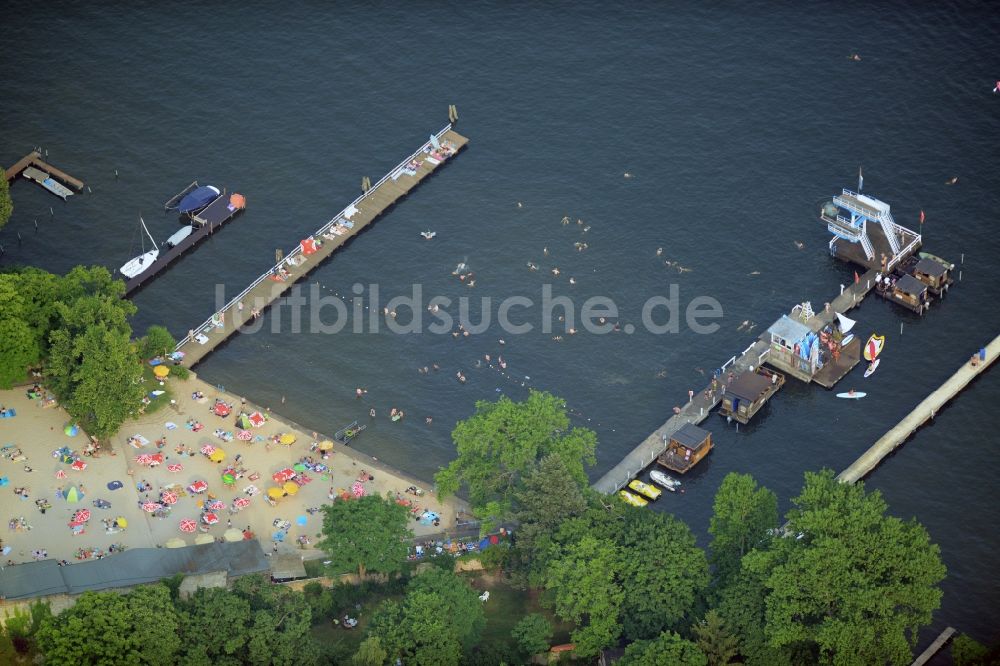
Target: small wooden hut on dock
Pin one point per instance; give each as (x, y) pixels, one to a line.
(934, 274)
(749, 392)
(686, 448)
(907, 291)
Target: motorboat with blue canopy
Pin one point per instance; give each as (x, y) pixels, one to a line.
(198, 198)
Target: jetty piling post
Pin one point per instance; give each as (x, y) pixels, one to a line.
(959, 275)
(52, 213)
(36, 225)
(901, 328)
(116, 174)
(18, 237)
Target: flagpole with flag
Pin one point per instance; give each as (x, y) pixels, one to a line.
(921, 223)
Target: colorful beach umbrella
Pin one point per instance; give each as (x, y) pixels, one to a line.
(275, 493)
(143, 459)
(299, 467)
(79, 465)
(210, 518)
(151, 507)
(198, 486)
(207, 449)
(168, 497)
(291, 488)
(156, 459)
(287, 439)
(71, 429)
(188, 525)
(257, 419)
(217, 456)
(233, 535)
(216, 505)
(83, 515)
(358, 489)
(61, 474)
(244, 435)
(241, 503)
(325, 445)
(283, 475)
(161, 371)
(175, 467)
(202, 539)
(121, 522)
(228, 479)
(301, 521)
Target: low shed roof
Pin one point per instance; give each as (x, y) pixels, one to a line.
(749, 386)
(930, 267)
(910, 285)
(691, 436)
(788, 329)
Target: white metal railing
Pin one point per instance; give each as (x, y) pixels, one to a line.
(752, 345)
(728, 363)
(764, 354)
(298, 248)
(906, 251)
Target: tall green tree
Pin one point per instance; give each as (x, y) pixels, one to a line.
(140, 627)
(715, 640)
(744, 517)
(662, 572)
(587, 591)
(370, 653)
(503, 441)
(108, 381)
(667, 648)
(156, 342)
(19, 345)
(365, 534)
(533, 633)
(438, 621)
(6, 205)
(215, 630)
(854, 582)
(279, 624)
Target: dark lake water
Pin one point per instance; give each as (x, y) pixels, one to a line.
(736, 126)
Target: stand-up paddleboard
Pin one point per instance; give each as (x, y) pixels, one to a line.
(848, 339)
(855, 396)
(874, 347)
(872, 367)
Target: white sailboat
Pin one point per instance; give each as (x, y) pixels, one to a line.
(137, 265)
(846, 323)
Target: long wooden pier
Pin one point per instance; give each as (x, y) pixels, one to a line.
(698, 409)
(934, 647)
(921, 414)
(34, 158)
(265, 290)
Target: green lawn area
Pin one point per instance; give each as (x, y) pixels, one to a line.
(346, 641)
(150, 383)
(506, 607)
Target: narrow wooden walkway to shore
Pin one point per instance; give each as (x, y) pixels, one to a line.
(920, 415)
(934, 647)
(698, 409)
(265, 290)
(34, 158)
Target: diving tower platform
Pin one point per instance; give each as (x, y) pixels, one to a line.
(864, 232)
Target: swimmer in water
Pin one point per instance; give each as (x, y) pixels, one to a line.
(532, 267)
(555, 271)
(460, 376)
(855, 57)
(503, 363)
(557, 338)
(545, 251)
(501, 341)
(371, 412)
(520, 205)
(951, 181)
(572, 331)
(627, 174)
(572, 280)
(565, 220)
(659, 251)
(358, 392)
(435, 366)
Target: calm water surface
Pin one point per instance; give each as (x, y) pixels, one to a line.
(736, 125)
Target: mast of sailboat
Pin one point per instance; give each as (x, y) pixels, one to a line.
(143, 223)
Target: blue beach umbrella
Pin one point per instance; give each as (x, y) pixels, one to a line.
(301, 521)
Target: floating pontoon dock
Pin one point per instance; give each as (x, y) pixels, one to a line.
(934, 647)
(204, 224)
(46, 175)
(324, 242)
(921, 414)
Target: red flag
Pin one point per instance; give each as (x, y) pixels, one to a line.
(857, 278)
(921, 217)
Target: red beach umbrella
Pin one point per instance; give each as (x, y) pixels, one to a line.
(150, 507)
(241, 503)
(168, 497)
(208, 449)
(358, 489)
(61, 474)
(79, 465)
(210, 518)
(216, 505)
(143, 459)
(244, 435)
(83, 515)
(175, 467)
(188, 525)
(257, 419)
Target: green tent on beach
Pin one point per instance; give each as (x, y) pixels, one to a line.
(244, 422)
(73, 494)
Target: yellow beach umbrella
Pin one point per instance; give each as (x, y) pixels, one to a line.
(175, 542)
(325, 445)
(275, 492)
(287, 439)
(204, 538)
(217, 455)
(161, 371)
(122, 523)
(233, 535)
(291, 488)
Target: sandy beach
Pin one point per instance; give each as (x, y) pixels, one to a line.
(39, 433)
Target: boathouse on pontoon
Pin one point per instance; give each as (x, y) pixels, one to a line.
(907, 291)
(686, 448)
(934, 274)
(793, 348)
(749, 392)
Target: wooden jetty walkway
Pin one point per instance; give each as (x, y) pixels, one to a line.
(298, 263)
(925, 411)
(698, 409)
(34, 158)
(934, 647)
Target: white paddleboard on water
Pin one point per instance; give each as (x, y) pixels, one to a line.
(857, 394)
(848, 339)
(872, 367)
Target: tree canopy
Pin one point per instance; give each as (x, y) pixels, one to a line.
(667, 648)
(503, 441)
(743, 518)
(19, 344)
(440, 618)
(365, 534)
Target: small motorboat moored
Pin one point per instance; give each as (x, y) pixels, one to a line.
(664, 480)
(178, 236)
(629, 498)
(198, 199)
(649, 492)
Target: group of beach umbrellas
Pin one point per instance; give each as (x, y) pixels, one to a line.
(149, 459)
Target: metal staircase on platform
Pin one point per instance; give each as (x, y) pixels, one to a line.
(889, 229)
